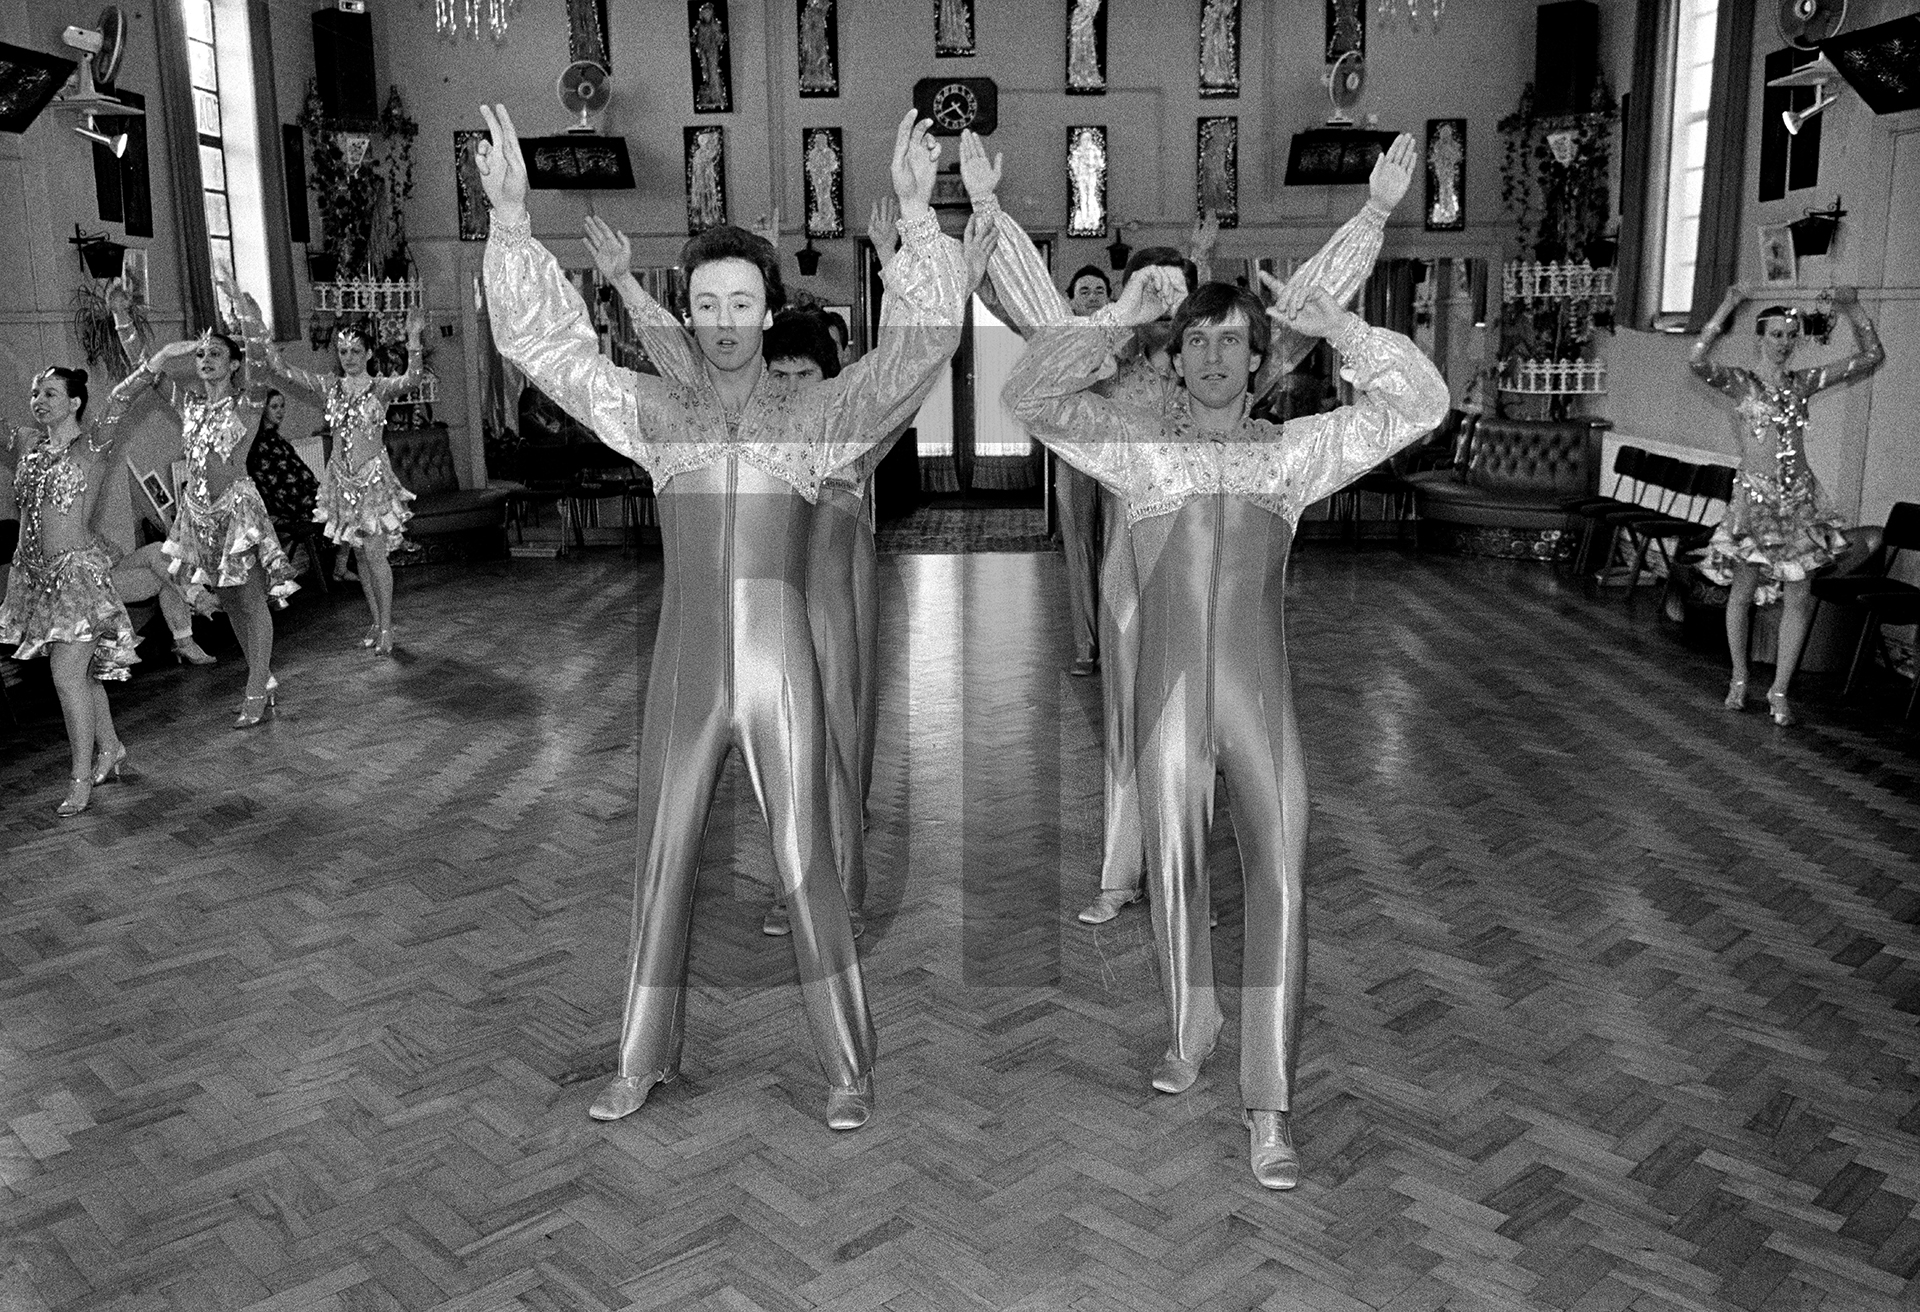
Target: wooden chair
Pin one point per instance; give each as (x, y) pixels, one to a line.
(1885, 600)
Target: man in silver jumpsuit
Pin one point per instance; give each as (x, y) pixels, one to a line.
(736, 466)
(1213, 496)
(1143, 371)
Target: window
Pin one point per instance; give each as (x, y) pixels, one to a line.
(220, 62)
(203, 61)
(1692, 81)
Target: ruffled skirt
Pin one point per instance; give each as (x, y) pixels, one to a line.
(370, 503)
(1788, 535)
(217, 546)
(68, 599)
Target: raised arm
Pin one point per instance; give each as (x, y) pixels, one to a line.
(1341, 267)
(1716, 376)
(1402, 399)
(259, 345)
(1051, 392)
(147, 370)
(920, 318)
(1860, 363)
(662, 336)
(406, 381)
(540, 323)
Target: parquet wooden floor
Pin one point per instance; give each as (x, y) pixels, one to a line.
(1612, 996)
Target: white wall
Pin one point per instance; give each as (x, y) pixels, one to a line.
(1863, 444)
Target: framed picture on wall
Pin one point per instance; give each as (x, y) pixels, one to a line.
(953, 29)
(159, 496)
(706, 150)
(824, 174)
(1087, 181)
(1219, 48)
(707, 41)
(1778, 267)
(1446, 170)
(1217, 169)
(819, 48)
(469, 196)
(28, 80)
(1087, 48)
(1346, 28)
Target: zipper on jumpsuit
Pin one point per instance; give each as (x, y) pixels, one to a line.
(730, 501)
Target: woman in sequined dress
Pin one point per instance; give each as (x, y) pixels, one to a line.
(1780, 529)
(60, 599)
(362, 504)
(222, 539)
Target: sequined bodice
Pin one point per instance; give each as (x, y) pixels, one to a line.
(210, 429)
(1774, 420)
(355, 418)
(49, 479)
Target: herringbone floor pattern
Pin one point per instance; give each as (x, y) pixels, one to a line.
(1612, 994)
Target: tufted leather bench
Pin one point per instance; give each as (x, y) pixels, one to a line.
(423, 458)
(1504, 493)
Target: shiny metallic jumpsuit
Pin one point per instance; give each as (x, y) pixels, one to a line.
(733, 664)
(1212, 522)
(842, 600)
(1020, 276)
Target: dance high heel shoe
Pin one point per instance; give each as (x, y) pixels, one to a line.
(1270, 1150)
(1736, 695)
(189, 652)
(79, 797)
(255, 709)
(384, 647)
(849, 1106)
(1782, 713)
(107, 765)
(372, 635)
(626, 1094)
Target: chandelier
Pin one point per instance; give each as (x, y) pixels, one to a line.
(1415, 13)
(455, 18)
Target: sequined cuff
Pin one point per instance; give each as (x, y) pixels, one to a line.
(1375, 212)
(1351, 338)
(920, 231)
(989, 206)
(511, 232)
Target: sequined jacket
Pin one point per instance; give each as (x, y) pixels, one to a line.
(672, 427)
(1153, 456)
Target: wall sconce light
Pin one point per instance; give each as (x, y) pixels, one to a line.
(101, 256)
(1813, 235)
(807, 258)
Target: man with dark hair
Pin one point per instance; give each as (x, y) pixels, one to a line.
(1213, 496)
(736, 467)
(842, 587)
(1088, 290)
(1143, 373)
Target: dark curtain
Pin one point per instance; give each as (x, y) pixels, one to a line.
(285, 310)
(1643, 172)
(1721, 232)
(181, 150)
